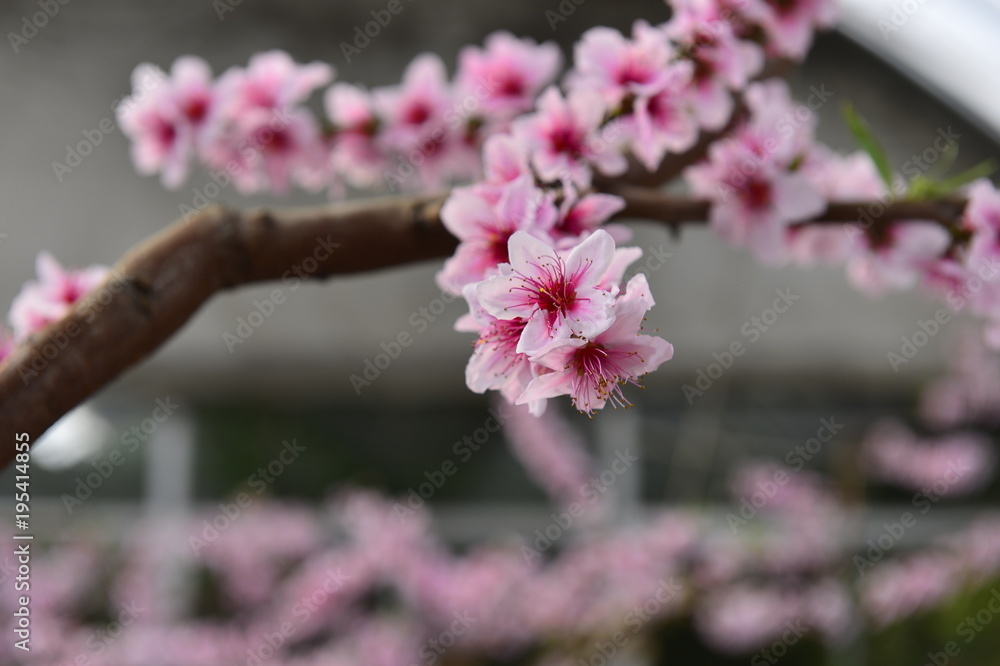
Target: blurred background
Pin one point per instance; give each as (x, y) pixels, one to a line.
(229, 412)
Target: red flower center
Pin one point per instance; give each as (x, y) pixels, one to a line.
(633, 71)
(196, 110)
(566, 140)
(280, 142)
(511, 84)
(758, 194)
(417, 114)
(167, 133)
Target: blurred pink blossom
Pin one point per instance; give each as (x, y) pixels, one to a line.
(507, 74)
(950, 465)
(900, 588)
(552, 453)
(48, 299)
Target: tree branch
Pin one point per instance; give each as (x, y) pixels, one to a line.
(652, 204)
(162, 282)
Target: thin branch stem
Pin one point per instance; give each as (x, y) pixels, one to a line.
(655, 205)
(156, 288)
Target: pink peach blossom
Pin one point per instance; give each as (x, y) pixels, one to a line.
(581, 216)
(837, 178)
(970, 391)
(706, 34)
(553, 454)
(7, 344)
(271, 80)
(790, 24)
(753, 178)
(415, 108)
(665, 121)
(951, 465)
(557, 296)
(593, 371)
(507, 75)
(564, 138)
(495, 364)
(161, 141)
(485, 229)
(902, 588)
(505, 159)
(260, 133)
(616, 67)
(47, 300)
(754, 199)
(908, 250)
(356, 150)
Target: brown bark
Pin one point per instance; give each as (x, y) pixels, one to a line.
(161, 283)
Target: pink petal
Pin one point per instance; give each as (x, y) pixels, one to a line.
(547, 386)
(588, 262)
(497, 296)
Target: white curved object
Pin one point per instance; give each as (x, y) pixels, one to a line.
(950, 47)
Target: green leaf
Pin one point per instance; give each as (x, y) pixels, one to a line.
(921, 188)
(981, 170)
(862, 131)
(943, 165)
(925, 188)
